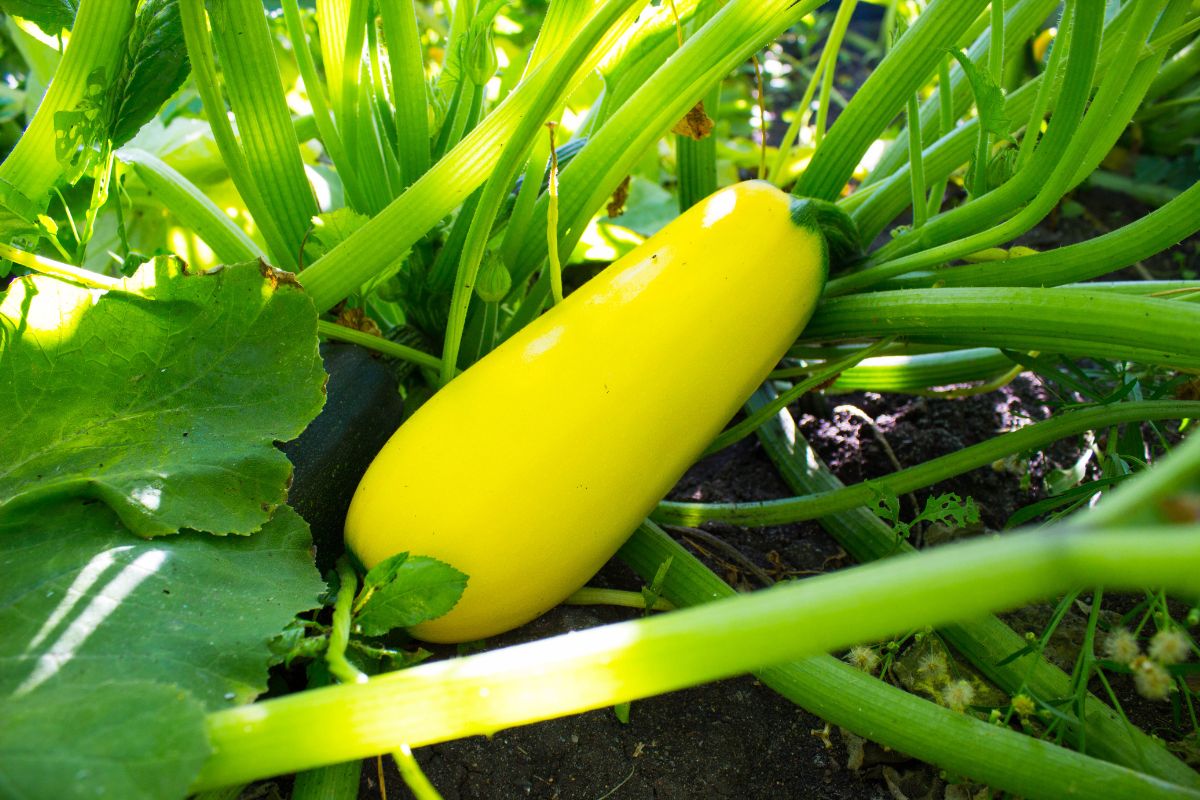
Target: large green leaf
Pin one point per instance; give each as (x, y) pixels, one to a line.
(84, 601)
(132, 740)
(163, 399)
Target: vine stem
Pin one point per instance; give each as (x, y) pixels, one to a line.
(583, 670)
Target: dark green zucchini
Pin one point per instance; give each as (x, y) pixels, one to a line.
(362, 409)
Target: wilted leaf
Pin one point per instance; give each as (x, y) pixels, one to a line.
(696, 124)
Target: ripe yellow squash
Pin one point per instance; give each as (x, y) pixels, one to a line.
(529, 470)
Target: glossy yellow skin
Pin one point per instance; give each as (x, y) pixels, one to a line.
(530, 469)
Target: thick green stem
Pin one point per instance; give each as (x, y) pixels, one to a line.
(842, 695)
(1151, 234)
(1076, 322)
(192, 207)
(1030, 437)
(626, 661)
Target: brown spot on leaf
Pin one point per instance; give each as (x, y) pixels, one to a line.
(277, 277)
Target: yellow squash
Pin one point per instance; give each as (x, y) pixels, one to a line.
(530, 469)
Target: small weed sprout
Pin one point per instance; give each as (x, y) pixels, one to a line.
(864, 658)
(1151, 678)
(958, 695)
(1122, 646)
(1024, 706)
(1170, 646)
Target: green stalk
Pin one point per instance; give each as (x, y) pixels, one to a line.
(891, 194)
(844, 696)
(341, 333)
(1142, 238)
(339, 634)
(208, 85)
(591, 669)
(813, 506)
(712, 52)
(31, 168)
(496, 190)
(57, 269)
(946, 119)
(347, 107)
(883, 95)
(408, 86)
(917, 373)
(1138, 500)
(920, 204)
(440, 190)
(987, 642)
(272, 151)
(696, 161)
(414, 778)
(1074, 322)
(996, 48)
(322, 114)
(1049, 174)
(1024, 17)
(832, 46)
(820, 376)
(1041, 105)
(192, 207)
(332, 27)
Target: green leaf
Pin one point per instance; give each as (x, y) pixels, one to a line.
(83, 601)
(162, 399)
(51, 16)
(989, 98)
(156, 65)
(133, 740)
(331, 229)
(79, 131)
(421, 589)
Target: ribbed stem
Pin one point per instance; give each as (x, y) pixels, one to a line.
(616, 663)
(1072, 321)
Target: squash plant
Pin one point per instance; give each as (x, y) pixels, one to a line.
(178, 234)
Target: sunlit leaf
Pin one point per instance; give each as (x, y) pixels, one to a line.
(419, 589)
(84, 601)
(164, 400)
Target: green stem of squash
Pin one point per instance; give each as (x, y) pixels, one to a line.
(1075, 321)
(1142, 238)
(877, 102)
(616, 663)
(813, 506)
